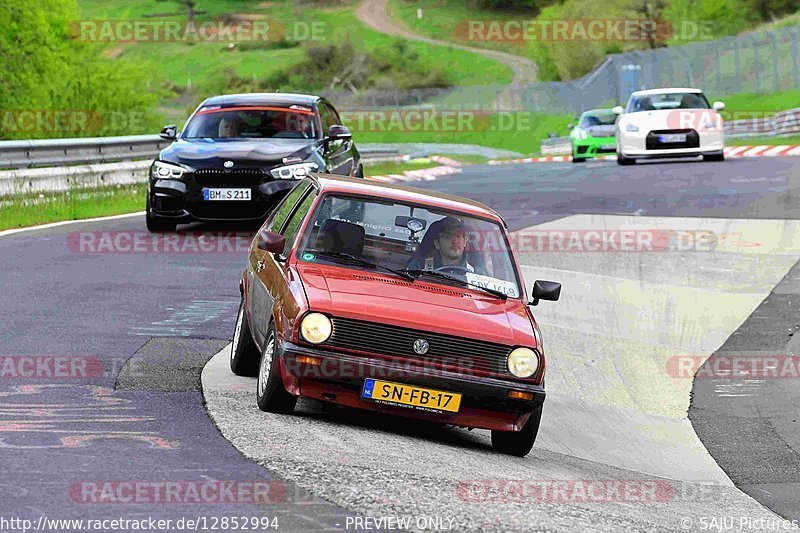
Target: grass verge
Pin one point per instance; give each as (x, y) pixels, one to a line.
(33, 210)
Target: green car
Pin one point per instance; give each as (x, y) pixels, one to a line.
(594, 135)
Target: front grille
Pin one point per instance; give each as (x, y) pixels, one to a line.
(652, 143)
(453, 353)
(213, 177)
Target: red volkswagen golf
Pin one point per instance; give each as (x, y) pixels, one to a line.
(394, 300)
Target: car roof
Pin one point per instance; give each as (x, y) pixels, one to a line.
(667, 90)
(263, 98)
(597, 111)
(386, 191)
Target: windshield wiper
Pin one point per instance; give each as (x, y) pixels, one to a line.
(364, 262)
(416, 272)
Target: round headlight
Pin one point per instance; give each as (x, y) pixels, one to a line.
(523, 362)
(316, 328)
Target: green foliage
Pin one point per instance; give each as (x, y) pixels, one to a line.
(393, 66)
(47, 74)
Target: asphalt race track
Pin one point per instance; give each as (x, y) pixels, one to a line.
(144, 324)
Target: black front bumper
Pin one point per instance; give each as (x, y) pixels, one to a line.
(344, 374)
(182, 200)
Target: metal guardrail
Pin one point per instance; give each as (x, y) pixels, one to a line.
(80, 151)
(94, 150)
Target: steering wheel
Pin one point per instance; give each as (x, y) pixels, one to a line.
(453, 269)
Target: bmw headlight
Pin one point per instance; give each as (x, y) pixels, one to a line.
(167, 171)
(631, 127)
(523, 362)
(316, 328)
(579, 134)
(294, 172)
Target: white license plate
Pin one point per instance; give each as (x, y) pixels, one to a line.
(608, 146)
(227, 194)
(674, 138)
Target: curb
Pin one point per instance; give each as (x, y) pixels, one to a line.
(731, 151)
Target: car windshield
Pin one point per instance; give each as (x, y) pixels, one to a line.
(589, 120)
(252, 122)
(653, 102)
(403, 237)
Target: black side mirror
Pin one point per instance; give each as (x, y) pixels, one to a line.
(339, 133)
(169, 133)
(545, 290)
(271, 242)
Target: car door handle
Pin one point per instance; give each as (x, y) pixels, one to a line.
(260, 265)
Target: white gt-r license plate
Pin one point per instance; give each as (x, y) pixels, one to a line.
(227, 194)
(673, 138)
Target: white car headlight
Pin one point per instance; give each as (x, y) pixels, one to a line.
(316, 328)
(523, 362)
(580, 134)
(167, 171)
(631, 127)
(293, 172)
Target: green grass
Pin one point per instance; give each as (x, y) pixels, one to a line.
(766, 141)
(520, 131)
(774, 102)
(203, 69)
(30, 210)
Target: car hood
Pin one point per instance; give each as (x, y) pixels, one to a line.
(448, 309)
(670, 119)
(207, 153)
(602, 131)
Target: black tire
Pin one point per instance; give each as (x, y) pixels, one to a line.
(578, 159)
(714, 157)
(518, 443)
(271, 396)
(154, 224)
(244, 352)
(625, 161)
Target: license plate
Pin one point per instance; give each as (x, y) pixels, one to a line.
(674, 138)
(227, 194)
(390, 393)
(608, 146)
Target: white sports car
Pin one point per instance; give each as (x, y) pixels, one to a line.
(661, 123)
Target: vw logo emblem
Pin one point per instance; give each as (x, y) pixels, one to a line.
(228, 164)
(421, 346)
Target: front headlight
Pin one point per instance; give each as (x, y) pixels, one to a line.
(316, 328)
(631, 127)
(166, 171)
(579, 134)
(523, 362)
(294, 172)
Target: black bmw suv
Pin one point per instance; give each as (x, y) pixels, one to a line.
(240, 154)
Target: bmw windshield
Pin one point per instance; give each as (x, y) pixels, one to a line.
(426, 243)
(252, 122)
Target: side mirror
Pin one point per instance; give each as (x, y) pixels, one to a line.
(617, 110)
(271, 242)
(718, 106)
(545, 290)
(169, 133)
(339, 132)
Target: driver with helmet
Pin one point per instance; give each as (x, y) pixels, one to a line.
(448, 249)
